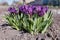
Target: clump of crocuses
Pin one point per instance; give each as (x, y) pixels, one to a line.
(33, 19)
(29, 9)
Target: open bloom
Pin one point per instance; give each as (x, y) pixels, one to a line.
(38, 8)
(12, 10)
(42, 11)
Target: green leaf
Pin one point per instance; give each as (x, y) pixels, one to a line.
(46, 16)
(38, 22)
(41, 26)
(47, 25)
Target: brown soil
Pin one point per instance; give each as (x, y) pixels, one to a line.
(52, 33)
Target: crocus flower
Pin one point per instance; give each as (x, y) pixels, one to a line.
(38, 8)
(30, 11)
(46, 9)
(12, 10)
(41, 13)
(23, 8)
(26, 7)
(34, 9)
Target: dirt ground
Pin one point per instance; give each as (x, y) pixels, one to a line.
(7, 33)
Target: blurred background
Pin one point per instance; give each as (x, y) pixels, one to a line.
(32, 2)
(4, 4)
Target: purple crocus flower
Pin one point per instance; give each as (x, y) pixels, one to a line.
(26, 7)
(34, 9)
(30, 11)
(23, 8)
(38, 8)
(46, 9)
(42, 11)
(12, 10)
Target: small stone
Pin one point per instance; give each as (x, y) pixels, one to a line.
(42, 39)
(48, 35)
(53, 39)
(57, 39)
(37, 38)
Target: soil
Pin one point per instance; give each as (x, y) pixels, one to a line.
(52, 33)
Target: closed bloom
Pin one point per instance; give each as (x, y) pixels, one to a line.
(34, 9)
(30, 11)
(41, 13)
